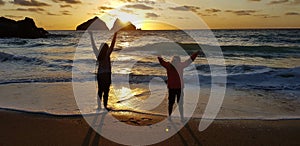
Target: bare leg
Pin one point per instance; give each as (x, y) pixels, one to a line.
(180, 103)
(100, 92)
(99, 99)
(105, 96)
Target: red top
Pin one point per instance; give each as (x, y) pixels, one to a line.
(175, 71)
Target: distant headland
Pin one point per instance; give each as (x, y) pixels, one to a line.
(22, 29)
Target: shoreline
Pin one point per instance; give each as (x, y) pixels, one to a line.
(262, 28)
(115, 112)
(28, 129)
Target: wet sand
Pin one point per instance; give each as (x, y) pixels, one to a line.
(18, 128)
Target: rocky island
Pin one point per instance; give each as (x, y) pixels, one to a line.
(22, 29)
(93, 24)
(97, 24)
(119, 25)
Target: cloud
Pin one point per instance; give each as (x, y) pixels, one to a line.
(66, 6)
(65, 12)
(278, 2)
(292, 13)
(103, 8)
(142, 1)
(181, 18)
(295, 2)
(265, 16)
(185, 8)
(203, 14)
(2, 2)
(212, 10)
(128, 1)
(241, 12)
(126, 10)
(139, 6)
(68, 1)
(138, 1)
(151, 15)
(13, 16)
(29, 3)
(37, 10)
(51, 14)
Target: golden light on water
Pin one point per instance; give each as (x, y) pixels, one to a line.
(152, 25)
(122, 95)
(123, 92)
(124, 44)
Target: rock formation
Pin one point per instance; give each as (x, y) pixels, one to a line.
(23, 28)
(119, 25)
(93, 24)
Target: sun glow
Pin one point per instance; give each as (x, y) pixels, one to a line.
(126, 17)
(153, 25)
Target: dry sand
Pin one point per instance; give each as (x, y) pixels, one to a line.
(18, 128)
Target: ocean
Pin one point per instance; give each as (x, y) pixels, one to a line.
(262, 71)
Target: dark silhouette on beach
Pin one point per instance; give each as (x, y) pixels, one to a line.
(175, 79)
(104, 68)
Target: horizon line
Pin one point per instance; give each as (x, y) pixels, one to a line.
(254, 28)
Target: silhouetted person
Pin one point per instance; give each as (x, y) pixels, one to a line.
(175, 79)
(104, 68)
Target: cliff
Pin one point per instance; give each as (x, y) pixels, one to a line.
(23, 28)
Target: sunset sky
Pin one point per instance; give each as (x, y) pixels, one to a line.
(217, 14)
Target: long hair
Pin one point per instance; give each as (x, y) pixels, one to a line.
(104, 48)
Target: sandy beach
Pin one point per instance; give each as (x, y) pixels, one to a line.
(232, 68)
(38, 128)
(18, 128)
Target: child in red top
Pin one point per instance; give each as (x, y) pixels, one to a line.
(175, 79)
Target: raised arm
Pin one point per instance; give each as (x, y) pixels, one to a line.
(191, 59)
(162, 61)
(95, 49)
(112, 45)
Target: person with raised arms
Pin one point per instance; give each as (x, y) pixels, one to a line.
(175, 80)
(104, 68)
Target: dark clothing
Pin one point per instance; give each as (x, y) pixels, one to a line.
(104, 65)
(104, 81)
(175, 71)
(104, 77)
(173, 93)
(175, 81)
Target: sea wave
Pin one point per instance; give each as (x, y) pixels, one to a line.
(242, 76)
(6, 57)
(227, 50)
(10, 57)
